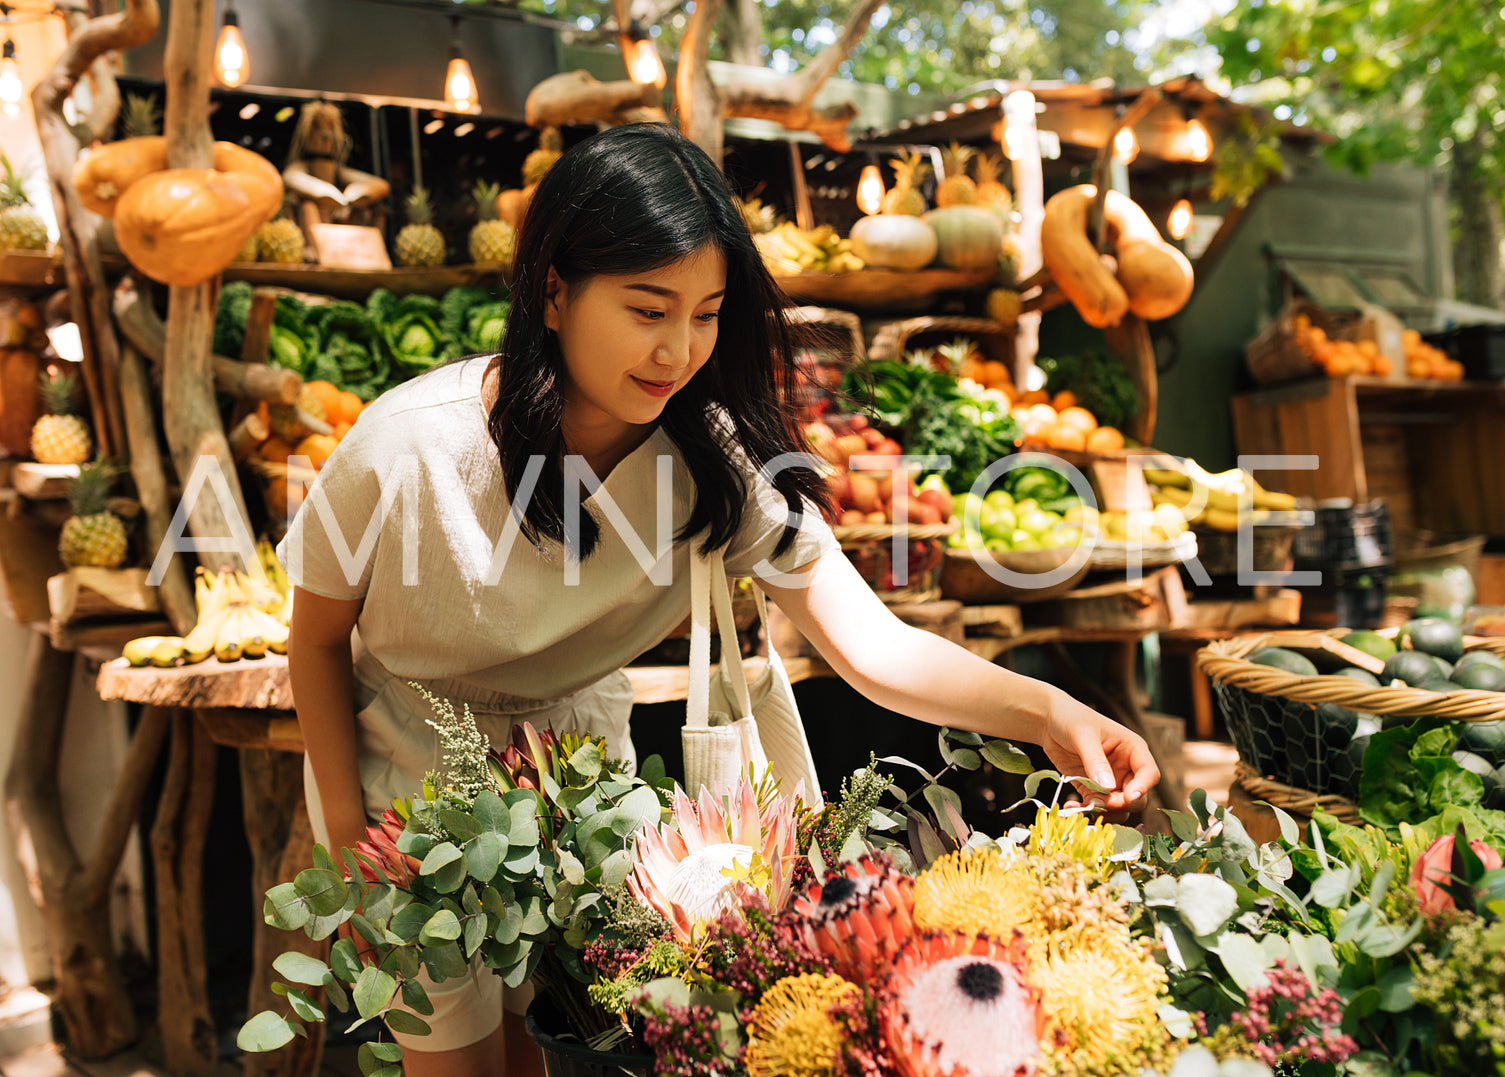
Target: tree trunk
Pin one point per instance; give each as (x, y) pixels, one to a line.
(743, 30)
(1476, 257)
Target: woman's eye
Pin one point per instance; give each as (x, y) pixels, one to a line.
(651, 315)
(710, 316)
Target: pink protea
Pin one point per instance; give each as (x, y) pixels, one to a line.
(859, 916)
(380, 847)
(714, 854)
(958, 1005)
(1433, 870)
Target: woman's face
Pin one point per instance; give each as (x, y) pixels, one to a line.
(631, 342)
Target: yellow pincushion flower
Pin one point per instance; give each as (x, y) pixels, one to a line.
(792, 1033)
(1073, 835)
(1101, 996)
(975, 892)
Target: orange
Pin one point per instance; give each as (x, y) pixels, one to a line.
(1042, 415)
(283, 500)
(1383, 366)
(1036, 396)
(275, 450)
(317, 448)
(995, 373)
(978, 372)
(1066, 436)
(1080, 418)
(326, 393)
(349, 406)
(340, 430)
(1105, 439)
(1063, 400)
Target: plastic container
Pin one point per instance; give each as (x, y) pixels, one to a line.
(1352, 598)
(1480, 348)
(572, 1058)
(1344, 536)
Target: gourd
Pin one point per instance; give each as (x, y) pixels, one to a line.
(19, 406)
(182, 225)
(894, 241)
(1153, 280)
(967, 237)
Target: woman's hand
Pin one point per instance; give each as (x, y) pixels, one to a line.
(1083, 743)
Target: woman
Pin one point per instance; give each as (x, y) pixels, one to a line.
(641, 373)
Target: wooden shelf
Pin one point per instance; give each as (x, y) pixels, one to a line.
(359, 283)
(42, 482)
(35, 270)
(887, 289)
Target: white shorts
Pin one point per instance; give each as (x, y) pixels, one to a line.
(397, 747)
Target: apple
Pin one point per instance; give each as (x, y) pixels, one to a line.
(998, 498)
(923, 512)
(998, 545)
(1037, 522)
(850, 445)
(858, 423)
(877, 518)
(1023, 540)
(940, 500)
(852, 517)
(993, 520)
(865, 495)
(840, 484)
(888, 447)
(871, 438)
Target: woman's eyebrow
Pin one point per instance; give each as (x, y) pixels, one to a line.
(669, 293)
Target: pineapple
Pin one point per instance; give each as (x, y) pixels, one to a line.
(286, 422)
(991, 192)
(419, 243)
(957, 189)
(280, 240)
(905, 199)
(248, 250)
(492, 239)
(60, 437)
(21, 226)
(141, 117)
(542, 159)
(760, 219)
(92, 535)
(1004, 305)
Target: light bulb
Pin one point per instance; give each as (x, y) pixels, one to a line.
(644, 65)
(460, 86)
(230, 53)
(1179, 222)
(11, 87)
(1125, 145)
(1198, 140)
(870, 190)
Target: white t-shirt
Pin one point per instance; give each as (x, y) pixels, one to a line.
(430, 612)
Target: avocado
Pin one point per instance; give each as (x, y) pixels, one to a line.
(1443, 666)
(1479, 676)
(1281, 658)
(1484, 738)
(1438, 684)
(1431, 635)
(1354, 673)
(1336, 724)
(1412, 667)
(1480, 658)
(1371, 643)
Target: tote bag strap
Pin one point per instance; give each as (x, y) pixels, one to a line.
(698, 702)
(731, 649)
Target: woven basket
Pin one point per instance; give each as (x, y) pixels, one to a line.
(1274, 356)
(1218, 550)
(1300, 802)
(822, 328)
(965, 579)
(1272, 714)
(994, 339)
(870, 549)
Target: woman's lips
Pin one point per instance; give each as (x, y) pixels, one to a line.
(653, 388)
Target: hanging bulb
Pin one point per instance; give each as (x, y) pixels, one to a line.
(870, 190)
(230, 52)
(1198, 140)
(1179, 222)
(1125, 145)
(643, 63)
(460, 92)
(11, 87)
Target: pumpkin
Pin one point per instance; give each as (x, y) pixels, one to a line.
(1148, 277)
(510, 205)
(894, 241)
(19, 406)
(181, 226)
(103, 176)
(967, 237)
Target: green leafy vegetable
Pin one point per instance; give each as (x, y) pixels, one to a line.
(410, 326)
(1099, 382)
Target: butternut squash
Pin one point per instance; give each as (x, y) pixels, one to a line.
(1151, 278)
(181, 226)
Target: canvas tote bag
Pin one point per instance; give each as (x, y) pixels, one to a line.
(732, 725)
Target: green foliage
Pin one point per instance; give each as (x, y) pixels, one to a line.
(1098, 381)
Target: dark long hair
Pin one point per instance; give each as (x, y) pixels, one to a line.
(630, 200)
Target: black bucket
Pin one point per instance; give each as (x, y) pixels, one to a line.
(571, 1057)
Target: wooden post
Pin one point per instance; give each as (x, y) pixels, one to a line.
(189, 410)
(78, 228)
(282, 844)
(1021, 140)
(91, 997)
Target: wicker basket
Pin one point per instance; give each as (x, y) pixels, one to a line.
(870, 548)
(965, 579)
(1218, 550)
(994, 339)
(1272, 714)
(1274, 356)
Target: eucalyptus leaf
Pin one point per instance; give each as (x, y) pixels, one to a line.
(1161, 890)
(303, 1006)
(616, 868)
(491, 813)
(414, 997)
(450, 877)
(1333, 887)
(483, 855)
(586, 760)
(462, 826)
(410, 920)
(373, 991)
(344, 961)
(1036, 779)
(938, 797)
(443, 926)
(1244, 959)
(444, 962)
(285, 908)
(300, 968)
(475, 934)
(406, 1023)
(1006, 757)
(1397, 989)
(446, 852)
(571, 868)
(267, 1031)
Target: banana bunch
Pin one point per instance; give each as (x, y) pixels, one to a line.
(789, 251)
(1160, 524)
(239, 616)
(1221, 495)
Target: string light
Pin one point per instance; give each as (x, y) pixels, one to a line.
(460, 92)
(870, 190)
(1179, 222)
(1198, 140)
(644, 65)
(230, 59)
(11, 87)
(1125, 145)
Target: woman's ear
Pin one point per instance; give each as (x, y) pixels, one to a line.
(553, 293)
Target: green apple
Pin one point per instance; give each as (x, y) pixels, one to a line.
(1000, 499)
(1024, 540)
(934, 482)
(1067, 536)
(997, 521)
(974, 541)
(1037, 522)
(967, 505)
(999, 545)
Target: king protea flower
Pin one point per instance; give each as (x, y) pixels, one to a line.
(714, 854)
(859, 916)
(958, 1005)
(380, 848)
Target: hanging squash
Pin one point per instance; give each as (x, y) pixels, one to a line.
(183, 225)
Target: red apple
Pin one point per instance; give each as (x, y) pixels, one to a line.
(923, 512)
(888, 447)
(850, 445)
(940, 500)
(871, 437)
(864, 492)
(858, 422)
(840, 484)
(852, 517)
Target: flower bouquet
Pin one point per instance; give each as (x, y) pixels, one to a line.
(742, 932)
